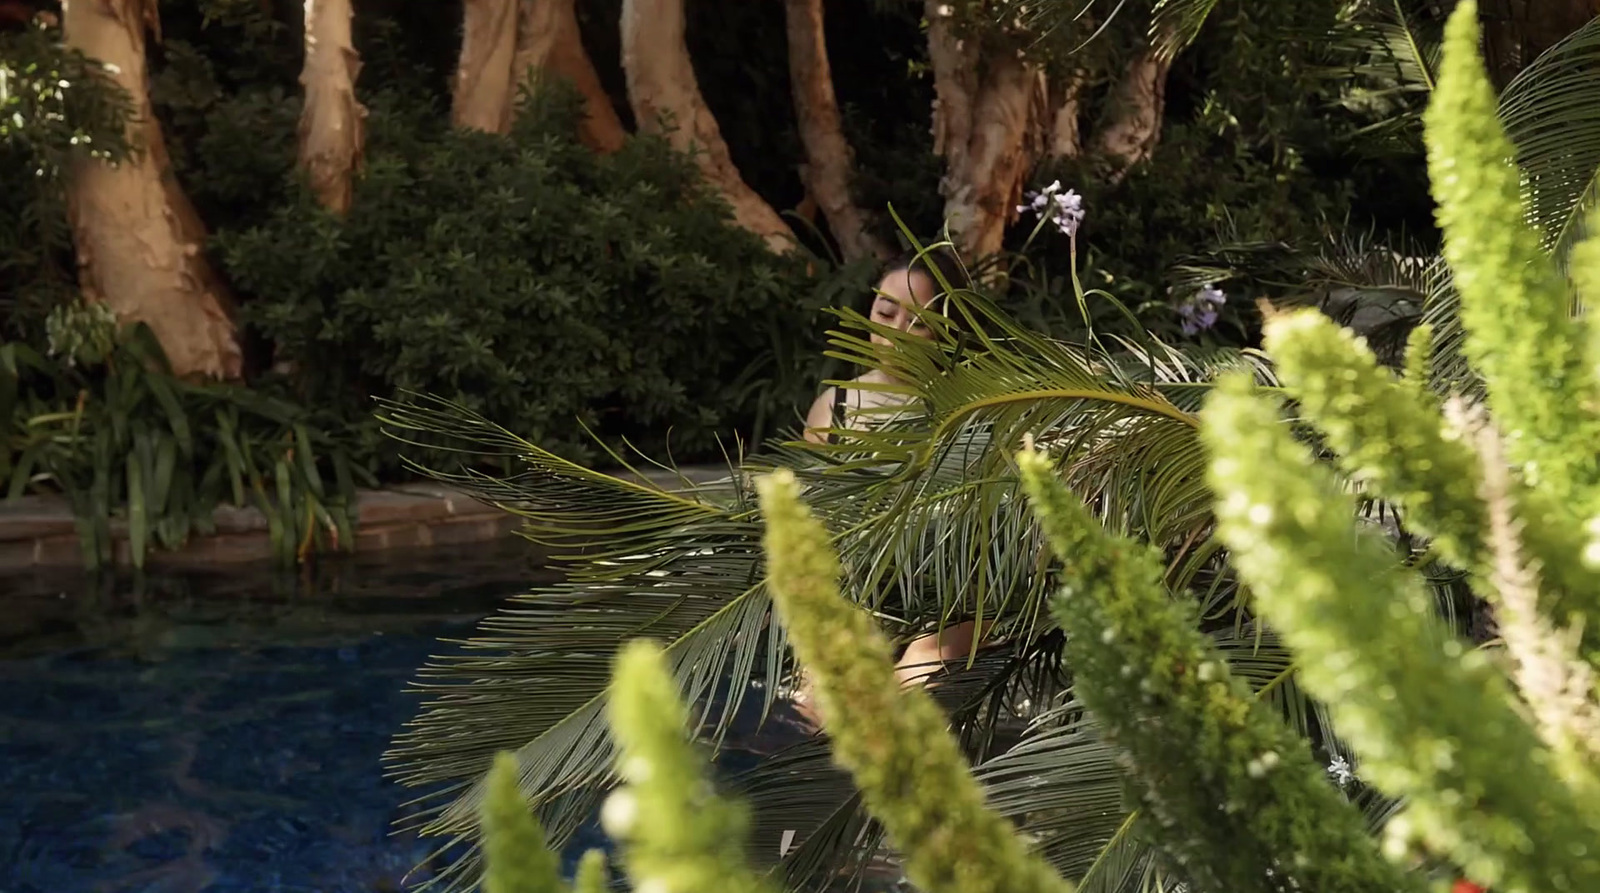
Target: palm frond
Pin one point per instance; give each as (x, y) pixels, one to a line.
(683, 569)
(798, 796)
(1386, 62)
(932, 529)
(1176, 24)
(1551, 112)
(933, 493)
(1062, 784)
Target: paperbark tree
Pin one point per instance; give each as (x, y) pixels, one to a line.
(138, 239)
(1132, 128)
(1066, 132)
(485, 92)
(830, 164)
(548, 44)
(989, 122)
(666, 99)
(332, 126)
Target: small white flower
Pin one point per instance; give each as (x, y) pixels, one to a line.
(1341, 772)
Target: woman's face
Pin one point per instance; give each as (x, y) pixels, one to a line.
(897, 293)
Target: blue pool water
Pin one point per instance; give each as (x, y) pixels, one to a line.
(222, 732)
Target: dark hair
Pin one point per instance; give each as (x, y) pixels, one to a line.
(929, 261)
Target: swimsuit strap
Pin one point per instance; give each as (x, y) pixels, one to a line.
(838, 412)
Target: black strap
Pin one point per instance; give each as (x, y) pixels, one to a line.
(838, 412)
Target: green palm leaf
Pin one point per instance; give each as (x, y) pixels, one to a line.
(932, 529)
(1176, 24)
(681, 568)
(1551, 112)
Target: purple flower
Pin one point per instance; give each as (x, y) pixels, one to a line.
(1200, 311)
(1064, 209)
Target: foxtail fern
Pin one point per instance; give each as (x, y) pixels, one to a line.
(1515, 303)
(680, 836)
(895, 742)
(1238, 802)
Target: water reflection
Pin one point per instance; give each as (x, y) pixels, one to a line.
(221, 730)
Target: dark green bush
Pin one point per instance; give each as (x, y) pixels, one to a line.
(539, 284)
(54, 109)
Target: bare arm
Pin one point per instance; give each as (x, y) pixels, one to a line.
(820, 418)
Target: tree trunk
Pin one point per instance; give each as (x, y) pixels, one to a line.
(332, 130)
(1515, 32)
(666, 99)
(548, 42)
(830, 164)
(1066, 133)
(484, 90)
(139, 241)
(989, 129)
(1138, 101)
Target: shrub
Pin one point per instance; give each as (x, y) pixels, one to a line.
(55, 108)
(537, 283)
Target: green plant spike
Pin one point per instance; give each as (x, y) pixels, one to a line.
(1386, 434)
(517, 859)
(679, 836)
(1583, 265)
(1238, 801)
(592, 875)
(894, 741)
(1419, 360)
(1433, 721)
(1515, 303)
(1390, 435)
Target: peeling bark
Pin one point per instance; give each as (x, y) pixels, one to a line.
(138, 239)
(666, 99)
(989, 128)
(484, 90)
(332, 127)
(548, 42)
(830, 163)
(1066, 133)
(1138, 101)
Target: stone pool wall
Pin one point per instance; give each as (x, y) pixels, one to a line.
(39, 531)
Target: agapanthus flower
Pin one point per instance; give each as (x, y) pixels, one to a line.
(1064, 209)
(1200, 311)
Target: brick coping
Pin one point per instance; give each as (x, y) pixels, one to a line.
(40, 531)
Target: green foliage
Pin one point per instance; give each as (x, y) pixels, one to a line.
(56, 108)
(1515, 303)
(921, 512)
(1435, 722)
(536, 282)
(910, 771)
(129, 445)
(518, 859)
(1237, 801)
(679, 836)
(1544, 112)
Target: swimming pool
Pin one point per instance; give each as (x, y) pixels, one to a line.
(221, 731)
